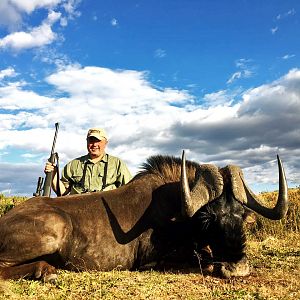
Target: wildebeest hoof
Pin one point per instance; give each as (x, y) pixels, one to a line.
(238, 269)
(50, 278)
(45, 271)
(208, 269)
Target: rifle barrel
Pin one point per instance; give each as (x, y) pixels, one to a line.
(54, 139)
(49, 175)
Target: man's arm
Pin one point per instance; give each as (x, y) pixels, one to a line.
(49, 167)
(124, 175)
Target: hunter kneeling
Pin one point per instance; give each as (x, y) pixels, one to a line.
(95, 171)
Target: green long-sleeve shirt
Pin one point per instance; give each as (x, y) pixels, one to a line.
(117, 174)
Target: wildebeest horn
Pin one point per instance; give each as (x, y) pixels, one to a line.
(185, 190)
(208, 186)
(281, 207)
(243, 194)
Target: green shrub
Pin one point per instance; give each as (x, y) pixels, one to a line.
(7, 203)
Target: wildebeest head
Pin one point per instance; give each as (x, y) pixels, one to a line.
(219, 202)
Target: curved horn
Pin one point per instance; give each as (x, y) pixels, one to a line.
(281, 207)
(186, 198)
(208, 185)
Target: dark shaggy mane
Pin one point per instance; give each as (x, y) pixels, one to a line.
(167, 167)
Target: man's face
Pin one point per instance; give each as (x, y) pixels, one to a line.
(95, 147)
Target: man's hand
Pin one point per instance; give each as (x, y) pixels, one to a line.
(49, 167)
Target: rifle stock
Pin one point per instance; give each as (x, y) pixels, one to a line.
(49, 175)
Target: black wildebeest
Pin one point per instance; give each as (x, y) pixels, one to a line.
(169, 207)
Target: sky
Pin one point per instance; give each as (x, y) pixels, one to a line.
(220, 79)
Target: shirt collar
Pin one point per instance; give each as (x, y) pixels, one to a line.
(103, 159)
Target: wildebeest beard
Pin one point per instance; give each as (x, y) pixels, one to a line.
(222, 228)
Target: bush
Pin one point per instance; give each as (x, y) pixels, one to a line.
(7, 203)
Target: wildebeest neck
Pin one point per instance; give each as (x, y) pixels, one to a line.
(149, 203)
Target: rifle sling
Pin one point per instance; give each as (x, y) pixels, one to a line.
(58, 191)
(105, 175)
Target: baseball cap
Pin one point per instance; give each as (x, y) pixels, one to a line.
(98, 133)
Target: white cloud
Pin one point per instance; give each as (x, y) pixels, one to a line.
(9, 72)
(234, 76)
(274, 30)
(11, 11)
(280, 17)
(218, 98)
(29, 6)
(114, 22)
(63, 22)
(100, 83)
(160, 53)
(243, 63)
(11, 15)
(52, 17)
(289, 13)
(245, 70)
(288, 56)
(14, 97)
(37, 37)
(70, 7)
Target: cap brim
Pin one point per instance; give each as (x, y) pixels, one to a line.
(100, 138)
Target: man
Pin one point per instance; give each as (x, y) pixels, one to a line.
(96, 171)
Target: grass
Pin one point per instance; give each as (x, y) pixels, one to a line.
(7, 203)
(273, 251)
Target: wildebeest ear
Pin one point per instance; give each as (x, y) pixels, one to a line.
(208, 183)
(234, 176)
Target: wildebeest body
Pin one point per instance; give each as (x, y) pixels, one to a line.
(97, 231)
(137, 224)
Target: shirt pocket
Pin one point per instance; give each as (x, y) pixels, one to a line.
(76, 179)
(111, 174)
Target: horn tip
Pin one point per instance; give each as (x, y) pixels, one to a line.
(279, 162)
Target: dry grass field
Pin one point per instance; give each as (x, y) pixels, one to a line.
(273, 251)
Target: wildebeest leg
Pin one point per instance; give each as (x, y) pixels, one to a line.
(205, 260)
(31, 243)
(39, 270)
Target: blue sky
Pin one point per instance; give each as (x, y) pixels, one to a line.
(220, 79)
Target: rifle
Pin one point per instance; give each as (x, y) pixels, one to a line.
(39, 187)
(48, 180)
